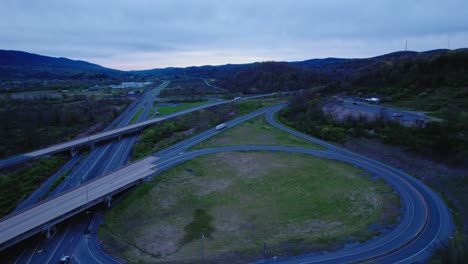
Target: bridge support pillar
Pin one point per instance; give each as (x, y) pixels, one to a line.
(108, 201)
(92, 145)
(73, 152)
(50, 231)
(120, 137)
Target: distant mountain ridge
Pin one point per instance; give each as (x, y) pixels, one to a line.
(20, 65)
(417, 71)
(15, 58)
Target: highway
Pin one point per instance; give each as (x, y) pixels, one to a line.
(102, 159)
(425, 219)
(107, 135)
(41, 192)
(99, 161)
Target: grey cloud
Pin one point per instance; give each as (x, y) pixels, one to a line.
(273, 29)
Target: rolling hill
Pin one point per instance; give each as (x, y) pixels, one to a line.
(19, 65)
(398, 76)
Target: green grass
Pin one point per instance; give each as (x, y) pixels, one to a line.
(245, 198)
(256, 131)
(201, 224)
(56, 183)
(136, 116)
(170, 132)
(437, 114)
(404, 108)
(435, 99)
(39, 92)
(441, 115)
(152, 110)
(248, 105)
(165, 110)
(16, 186)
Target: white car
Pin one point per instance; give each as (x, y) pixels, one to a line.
(65, 260)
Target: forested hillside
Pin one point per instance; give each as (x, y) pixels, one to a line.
(32, 124)
(19, 65)
(430, 80)
(267, 77)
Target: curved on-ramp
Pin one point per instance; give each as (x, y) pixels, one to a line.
(425, 221)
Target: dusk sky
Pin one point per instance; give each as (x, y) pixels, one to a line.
(144, 34)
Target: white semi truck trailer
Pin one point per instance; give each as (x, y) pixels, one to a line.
(220, 126)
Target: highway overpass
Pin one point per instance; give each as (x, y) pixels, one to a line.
(108, 135)
(425, 220)
(44, 215)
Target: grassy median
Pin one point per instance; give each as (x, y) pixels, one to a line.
(239, 200)
(165, 110)
(256, 131)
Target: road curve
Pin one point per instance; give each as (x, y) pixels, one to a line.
(438, 222)
(425, 220)
(109, 134)
(41, 216)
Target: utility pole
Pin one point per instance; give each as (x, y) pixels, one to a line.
(406, 45)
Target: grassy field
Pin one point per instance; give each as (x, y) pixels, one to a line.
(136, 116)
(256, 131)
(172, 131)
(16, 186)
(165, 110)
(239, 200)
(248, 105)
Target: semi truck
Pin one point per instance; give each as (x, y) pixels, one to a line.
(220, 126)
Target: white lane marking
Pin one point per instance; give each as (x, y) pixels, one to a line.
(74, 257)
(53, 253)
(34, 252)
(19, 257)
(86, 242)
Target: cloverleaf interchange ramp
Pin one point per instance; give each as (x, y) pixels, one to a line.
(425, 219)
(42, 216)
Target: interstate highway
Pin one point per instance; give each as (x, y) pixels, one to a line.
(425, 219)
(110, 134)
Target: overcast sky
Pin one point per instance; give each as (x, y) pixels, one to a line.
(144, 34)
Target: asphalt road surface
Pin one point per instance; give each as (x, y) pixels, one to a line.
(100, 160)
(108, 134)
(389, 112)
(424, 222)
